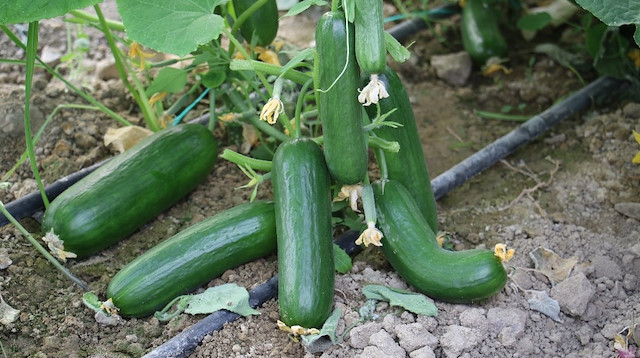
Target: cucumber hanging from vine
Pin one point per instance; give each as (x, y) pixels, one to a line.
(371, 48)
(344, 140)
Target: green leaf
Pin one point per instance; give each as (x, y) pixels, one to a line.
(593, 39)
(92, 301)
(316, 343)
(395, 48)
(169, 79)
(350, 9)
(229, 296)
(342, 259)
(302, 6)
(214, 78)
(613, 12)
(534, 22)
(172, 26)
(19, 11)
(410, 301)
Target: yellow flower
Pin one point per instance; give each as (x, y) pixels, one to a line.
(296, 330)
(501, 251)
(636, 159)
(109, 307)
(56, 247)
(135, 51)
(351, 192)
(267, 56)
(158, 96)
(634, 55)
(371, 235)
(229, 117)
(372, 92)
(272, 110)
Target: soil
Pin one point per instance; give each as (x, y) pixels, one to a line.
(571, 211)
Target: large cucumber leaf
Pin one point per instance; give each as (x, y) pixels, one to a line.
(615, 12)
(172, 26)
(18, 11)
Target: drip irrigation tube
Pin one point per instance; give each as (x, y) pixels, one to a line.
(184, 343)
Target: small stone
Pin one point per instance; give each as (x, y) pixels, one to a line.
(359, 335)
(454, 68)
(631, 110)
(631, 210)
(457, 339)
(383, 340)
(372, 352)
(131, 338)
(474, 318)
(84, 141)
(414, 336)
(605, 267)
(389, 322)
(507, 323)
(424, 352)
(573, 294)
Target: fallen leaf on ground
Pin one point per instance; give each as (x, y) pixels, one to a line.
(551, 265)
(124, 138)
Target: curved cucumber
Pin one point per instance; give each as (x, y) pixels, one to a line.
(408, 165)
(131, 189)
(261, 25)
(411, 248)
(481, 36)
(303, 223)
(193, 257)
(344, 140)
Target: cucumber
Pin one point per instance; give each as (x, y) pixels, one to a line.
(408, 166)
(371, 49)
(132, 188)
(344, 141)
(262, 25)
(481, 36)
(302, 201)
(410, 246)
(193, 257)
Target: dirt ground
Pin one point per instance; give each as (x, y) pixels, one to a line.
(581, 171)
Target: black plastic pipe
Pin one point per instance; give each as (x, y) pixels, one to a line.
(184, 343)
(602, 87)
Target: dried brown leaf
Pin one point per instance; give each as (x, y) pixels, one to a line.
(124, 138)
(551, 265)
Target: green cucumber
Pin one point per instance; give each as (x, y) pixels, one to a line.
(408, 166)
(130, 189)
(371, 49)
(344, 140)
(481, 36)
(193, 257)
(411, 248)
(262, 25)
(302, 199)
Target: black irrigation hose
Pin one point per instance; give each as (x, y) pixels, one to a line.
(183, 344)
(602, 87)
(410, 27)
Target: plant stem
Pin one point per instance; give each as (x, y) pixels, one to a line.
(299, 104)
(212, 110)
(503, 117)
(270, 69)
(111, 24)
(32, 50)
(239, 159)
(42, 250)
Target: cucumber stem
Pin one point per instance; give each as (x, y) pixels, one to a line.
(243, 160)
(32, 49)
(299, 104)
(42, 250)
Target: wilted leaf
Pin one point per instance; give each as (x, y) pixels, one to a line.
(341, 259)
(410, 301)
(229, 296)
(320, 342)
(551, 265)
(541, 302)
(125, 137)
(8, 314)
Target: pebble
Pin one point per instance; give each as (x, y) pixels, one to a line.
(474, 317)
(457, 339)
(631, 210)
(414, 336)
(573, 294)
(454, 68)
(359, 335)
(383, 340)
(424, 352)
(631, 110)
(507, 323)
